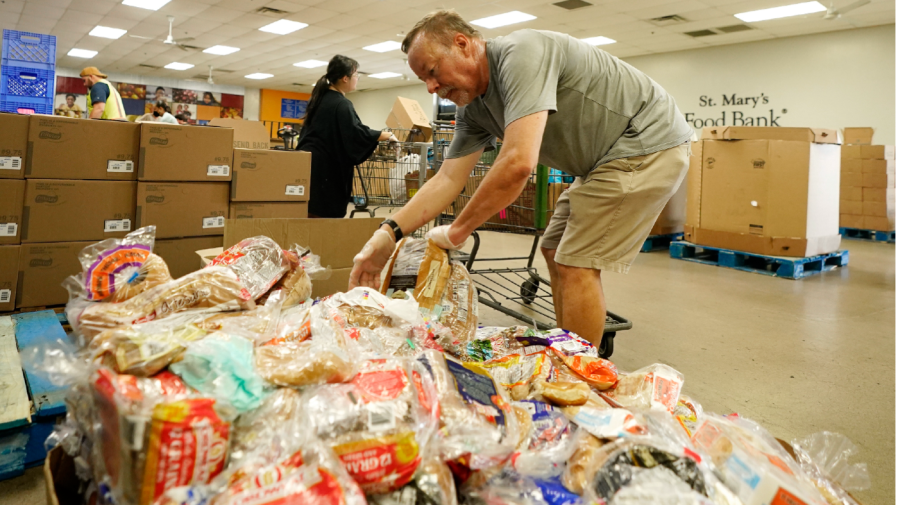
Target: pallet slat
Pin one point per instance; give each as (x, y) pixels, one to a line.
(775, 266)
(36, 329)
(659, 242)
(15, 407)
(869, 235)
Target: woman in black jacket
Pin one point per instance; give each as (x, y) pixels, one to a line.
(336, 137)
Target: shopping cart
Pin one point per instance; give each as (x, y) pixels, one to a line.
(517, 291)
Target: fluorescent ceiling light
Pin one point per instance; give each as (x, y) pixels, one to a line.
(310, 64)
(781, 12)
(509, 18)
(107, 33)
(178, 66)
(598, 41)
(383, 47)
(82, 53)
(153, 5)
(221, 50)
(283, 27)
(258, 76)
(384, 75)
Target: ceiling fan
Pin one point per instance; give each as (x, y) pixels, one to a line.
(209, 80)
(170, 39)
(833, 13)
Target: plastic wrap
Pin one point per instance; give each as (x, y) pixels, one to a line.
(549, 441)
(491, 342)
(517, 372)
(562, 393)
(258, 325)
(221, 366)
(257, 261)
(478, 427)
(115, 269)
(688, 413)
(610, 423)
(583, 464)
(505, 487)
(379, 422)
(269, 430)
(655, 387)
(296, 285)
(581, 358)
(459, 307)
(657, 485)
(433, 485)
(402, 269)
(212, 287)
(824, 457)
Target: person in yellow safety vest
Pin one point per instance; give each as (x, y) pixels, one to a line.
(103, 100)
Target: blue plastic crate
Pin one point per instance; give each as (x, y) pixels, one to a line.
(30, 82)
(26, 105)
(26, 49)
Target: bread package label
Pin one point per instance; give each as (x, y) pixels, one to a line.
(479, 390)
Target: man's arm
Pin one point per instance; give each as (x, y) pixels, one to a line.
(507, 177)
(97, 110)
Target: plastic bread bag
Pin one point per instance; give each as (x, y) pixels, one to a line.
(655, 387)
(688, 413)
(259, 262)
(361, 307)
(491, 342)
(221, 366)
(115, 270)
(584, 463)
(210, 288)
(433, 276)
(657, 485)
(402, 269)
(433, 485)
(478, 428)
(517, 372)
(824, 457)
(610, 423)
(549, 441)
(505, 487)
(459, 307)
(581, 358)
(259, 324)
(269, 430)
(378, 424)
(754, 466)
(296, 285)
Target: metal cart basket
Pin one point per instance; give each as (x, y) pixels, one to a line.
(517, 291)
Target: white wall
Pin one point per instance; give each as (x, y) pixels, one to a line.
(827, 80)
(251, 99)
(373, 106)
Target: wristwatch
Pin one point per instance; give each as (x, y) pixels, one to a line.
(397, 231)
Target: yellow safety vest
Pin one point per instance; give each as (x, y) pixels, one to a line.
(115, 109)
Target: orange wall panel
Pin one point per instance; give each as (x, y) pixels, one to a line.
(270, 104)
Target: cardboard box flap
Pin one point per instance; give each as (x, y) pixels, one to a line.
(815, 135)
(858, 135)
(408, 114)
(247, 134)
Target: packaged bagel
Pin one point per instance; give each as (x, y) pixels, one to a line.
(259, 262)
(655, 387)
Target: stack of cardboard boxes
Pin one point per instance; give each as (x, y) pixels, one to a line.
(867, 192)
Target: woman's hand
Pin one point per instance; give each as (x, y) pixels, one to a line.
(367, 265)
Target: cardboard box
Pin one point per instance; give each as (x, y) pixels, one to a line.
(860, 136)
(769, 193)
(66, 210)
(878, 152)
(247, 134)
(878, 194)
(851, 151)
(853, 193)
(12, 201)
(70, 148)
(13, 145)
(180, 253)
(878, 166)
(337, 241)
(886, 180)
(183, 209)
(207, 255)
(185, 153)
(851, 207)
(851, 221)
(879, 209)
(42, 269)
(407, 114)
(855, 165)
(852, 179)
(879, 223)
(9, 267)
(271, 176)
(263, 210)
(338, 282)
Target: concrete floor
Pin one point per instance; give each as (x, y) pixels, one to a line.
(797, 356)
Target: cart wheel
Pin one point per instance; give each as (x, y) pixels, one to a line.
(606, 349)
(529, 289)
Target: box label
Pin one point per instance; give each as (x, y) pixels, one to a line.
(9, 229)
(218, 170)
(112, 225)
(120, 166)
(5, 295)
(295, 190)
(213, 222)
(10, 162)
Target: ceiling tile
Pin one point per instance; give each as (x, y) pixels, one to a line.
(35, 24)
(347, 5)
(113, 22)
(12, 7)
(601, 22)
(254, 21)
(314, 15)
(94, 6)
(128, 12)
(42, 11)
(243, 5)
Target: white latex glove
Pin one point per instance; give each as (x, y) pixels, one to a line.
(367, 264)
(440, 237)
(393, 139)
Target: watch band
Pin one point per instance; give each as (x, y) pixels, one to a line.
(397, 231)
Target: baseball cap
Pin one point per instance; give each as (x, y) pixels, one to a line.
(93, 71)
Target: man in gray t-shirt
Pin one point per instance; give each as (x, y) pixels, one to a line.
(558, 101)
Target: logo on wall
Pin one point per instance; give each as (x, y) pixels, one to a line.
(737, 111)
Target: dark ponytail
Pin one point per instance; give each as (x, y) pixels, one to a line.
(339, 67)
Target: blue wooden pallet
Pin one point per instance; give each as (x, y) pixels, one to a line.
(23, 433)
(659, 242)
(775, 266)
(870, 235)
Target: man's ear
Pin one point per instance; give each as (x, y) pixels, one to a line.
(462, 43)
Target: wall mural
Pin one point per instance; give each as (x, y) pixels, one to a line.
(139, 100)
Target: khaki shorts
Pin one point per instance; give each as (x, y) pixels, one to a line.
(601, 221)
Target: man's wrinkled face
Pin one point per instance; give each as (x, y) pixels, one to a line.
(88, 82)
(450, 72)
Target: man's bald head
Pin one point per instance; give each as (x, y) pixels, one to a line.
(439, 26)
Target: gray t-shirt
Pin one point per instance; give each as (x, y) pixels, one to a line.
(600, 108)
